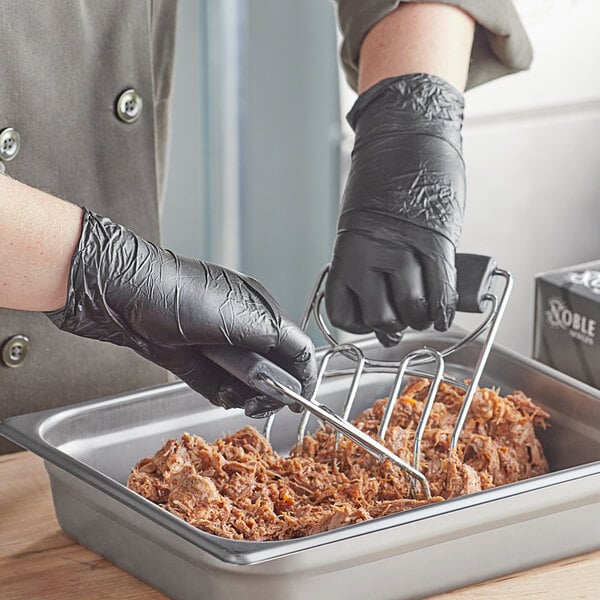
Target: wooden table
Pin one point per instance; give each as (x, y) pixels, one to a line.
(39, 562)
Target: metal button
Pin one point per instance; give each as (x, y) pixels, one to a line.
(10, 143)
(15, 351)
(129, 106)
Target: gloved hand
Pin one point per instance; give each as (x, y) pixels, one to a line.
(125, 290)
(402, 210)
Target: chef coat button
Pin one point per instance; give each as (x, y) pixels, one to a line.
(10, 143)
(15, 351)
(129, 106)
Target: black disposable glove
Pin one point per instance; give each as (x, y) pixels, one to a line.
(402, 210)
(125, 290)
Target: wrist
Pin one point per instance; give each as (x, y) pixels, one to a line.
(92, 299)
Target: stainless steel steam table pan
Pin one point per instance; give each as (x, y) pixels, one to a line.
(89, 449)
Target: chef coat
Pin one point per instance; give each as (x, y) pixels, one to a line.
(84, 92)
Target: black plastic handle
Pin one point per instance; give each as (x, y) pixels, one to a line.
(474, 273)
(252, 369)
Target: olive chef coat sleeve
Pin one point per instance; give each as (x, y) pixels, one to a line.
(500, 46)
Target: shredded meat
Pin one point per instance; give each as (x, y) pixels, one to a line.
(238, 487)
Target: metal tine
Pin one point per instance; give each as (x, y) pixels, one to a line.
(431, 395)
(341, 423)
(305, 415)
(314, 309)
(348, 404)
(393, 398)
(267, 427)
(344, 349)
(424, 419)
(371, 445)
(498, 310)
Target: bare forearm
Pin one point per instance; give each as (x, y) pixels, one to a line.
(418, 38)
(38, 235)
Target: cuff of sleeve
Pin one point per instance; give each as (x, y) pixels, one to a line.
(501, 45)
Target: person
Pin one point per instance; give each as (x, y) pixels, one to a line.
(97, 279)
(402, 209)
(83, 116)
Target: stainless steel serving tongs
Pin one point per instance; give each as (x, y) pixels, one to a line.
(476, 279)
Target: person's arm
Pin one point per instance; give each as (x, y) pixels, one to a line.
(418, 38)
(38, 235)
(500, 45)
(401, 216)
(99, 280)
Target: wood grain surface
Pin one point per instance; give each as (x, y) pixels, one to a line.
(39, 562)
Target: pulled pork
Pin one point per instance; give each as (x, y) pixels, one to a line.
(238, 487)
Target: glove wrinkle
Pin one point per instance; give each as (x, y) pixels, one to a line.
(419, 101)
(177, 305)
(127, 291)
(402, 210)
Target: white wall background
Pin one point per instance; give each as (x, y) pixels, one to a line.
(533, 158)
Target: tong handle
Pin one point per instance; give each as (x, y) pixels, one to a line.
(252, 369)
(474, 274)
